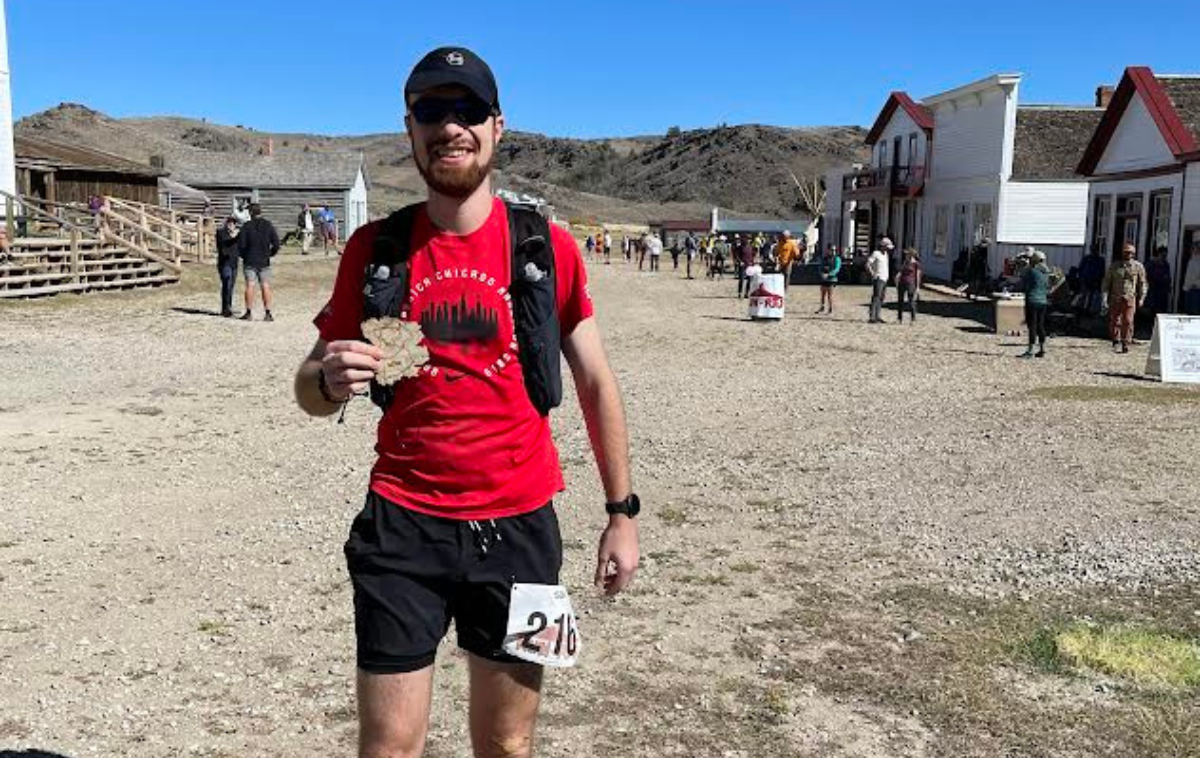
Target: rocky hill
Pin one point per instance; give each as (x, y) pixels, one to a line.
(746, 169)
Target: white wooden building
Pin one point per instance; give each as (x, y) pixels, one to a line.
(884, 197)
(969, 165)
(1143, 167)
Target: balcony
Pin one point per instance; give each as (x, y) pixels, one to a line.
(889, 181)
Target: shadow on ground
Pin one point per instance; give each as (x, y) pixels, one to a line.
(29, 754)
(189, 312)
(964, 310)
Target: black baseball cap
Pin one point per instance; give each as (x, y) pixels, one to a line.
(453, 65)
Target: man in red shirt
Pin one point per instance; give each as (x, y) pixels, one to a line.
(458, 518)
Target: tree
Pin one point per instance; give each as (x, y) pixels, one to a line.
(673, 131)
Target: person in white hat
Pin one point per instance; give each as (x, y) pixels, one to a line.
(878, 267)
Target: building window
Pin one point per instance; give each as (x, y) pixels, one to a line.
(1101, 216)
(913, 160)
(983, 223)
(941, 227)
(1160, 222)
(882, 154)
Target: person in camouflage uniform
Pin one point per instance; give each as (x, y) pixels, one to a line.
(1124, 291)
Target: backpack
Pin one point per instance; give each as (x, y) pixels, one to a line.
(532, 290)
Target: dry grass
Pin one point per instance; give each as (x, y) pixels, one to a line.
(1150, 395)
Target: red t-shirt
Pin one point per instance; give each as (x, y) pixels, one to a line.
(462, 439)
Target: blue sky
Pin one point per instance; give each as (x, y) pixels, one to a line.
(575, 69)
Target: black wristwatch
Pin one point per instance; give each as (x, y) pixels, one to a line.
(630, 506)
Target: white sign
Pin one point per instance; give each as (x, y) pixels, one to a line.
(766, 297)
(1175, 349)
(541, 625)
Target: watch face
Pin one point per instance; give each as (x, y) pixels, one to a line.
(634, 505)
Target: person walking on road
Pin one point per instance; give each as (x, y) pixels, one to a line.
(1124, 291)
(1035, 281)
(257, 244)
(459, 524)
(653, 247)
(877, 267)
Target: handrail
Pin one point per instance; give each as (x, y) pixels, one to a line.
(30, 204)
(202, 235)
(155, 211)
(109, 212)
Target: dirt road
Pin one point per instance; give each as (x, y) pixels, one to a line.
(851, 533)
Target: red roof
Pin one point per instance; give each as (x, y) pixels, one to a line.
(1140, 80)
(918, 113)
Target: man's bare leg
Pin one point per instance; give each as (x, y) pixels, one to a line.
(393, 713)
(267, 299)
(504, 705)
(249, 296)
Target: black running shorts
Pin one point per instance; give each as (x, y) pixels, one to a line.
(413, 573)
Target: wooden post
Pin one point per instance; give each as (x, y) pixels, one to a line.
(75, 272)
(9, 220)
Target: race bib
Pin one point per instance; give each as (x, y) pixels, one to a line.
(541, 625)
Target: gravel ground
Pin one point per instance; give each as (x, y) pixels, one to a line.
(828, 505)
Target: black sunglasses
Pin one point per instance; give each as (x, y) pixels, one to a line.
(468, 111)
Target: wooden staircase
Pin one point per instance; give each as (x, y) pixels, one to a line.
(67, 249)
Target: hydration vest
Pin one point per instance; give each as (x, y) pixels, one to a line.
(531, 289)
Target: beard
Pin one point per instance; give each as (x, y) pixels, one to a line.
(457, 182)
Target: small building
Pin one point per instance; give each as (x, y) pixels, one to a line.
(966, 167)
(58, 173)
(281, 182)
(1143, 169)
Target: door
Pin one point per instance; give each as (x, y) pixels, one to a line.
(1191, 238)
(1129, 223)
(910, 224)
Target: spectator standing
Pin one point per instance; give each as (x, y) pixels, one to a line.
(227, 263)
(720, 251)
(977, 271)
(744, 256)
(1091, 278)
(257, 244)
(1035, 281)
(1191, 282)
(242, 213)
(1124, 291)
(786, 253)
(690, 248)
(304, 225)
(908, 282)
(877, 267)
(831, 268)
(1158, 278)
(608, 243)
(329, 235)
